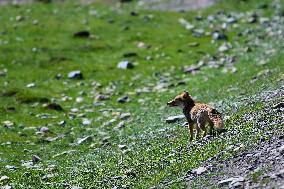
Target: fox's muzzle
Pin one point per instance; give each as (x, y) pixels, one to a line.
(171, 103)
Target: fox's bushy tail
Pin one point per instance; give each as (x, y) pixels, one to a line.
(216, 118)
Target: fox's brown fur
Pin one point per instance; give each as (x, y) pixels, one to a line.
(197, 113)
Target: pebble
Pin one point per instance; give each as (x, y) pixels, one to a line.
(199, 170)
(224, 47)
(31, 85)
(84, 140)
(44, 129)
(82, 34)
(36, 158)
(2, 178)
(123, 99)
(86, 122)
(125, 65)
(77, 74)
(231, 180)
(173, 119)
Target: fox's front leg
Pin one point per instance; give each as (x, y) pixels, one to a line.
(190, 129)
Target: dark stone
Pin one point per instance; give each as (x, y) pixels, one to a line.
(263, 6)
(133, 13)
(58, 76)
(279, 105)
(123, 99)
(130, 54)
(54, 106)
(82, 34)
(36, 158)
(219, 36)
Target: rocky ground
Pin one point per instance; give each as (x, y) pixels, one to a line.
(175, 5)
(259, 165)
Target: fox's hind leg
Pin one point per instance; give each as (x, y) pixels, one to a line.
(211, 128)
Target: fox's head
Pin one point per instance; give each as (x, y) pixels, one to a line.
(182, 100)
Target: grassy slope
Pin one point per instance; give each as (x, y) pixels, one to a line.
(158, 152)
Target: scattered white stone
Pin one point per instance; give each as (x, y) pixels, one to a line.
(125, 65)
(31, 85)
(173, 119)
(79, 99)
(231, 180)
(86, 122)
(85, 139)
(186, 24)
(4, 178)
(8, 123)
(69, 152)
(225, 47)
(199, 170)
(44, 129)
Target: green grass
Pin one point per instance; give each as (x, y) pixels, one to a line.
(157, 152)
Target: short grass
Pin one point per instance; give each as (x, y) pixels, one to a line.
(37, 43)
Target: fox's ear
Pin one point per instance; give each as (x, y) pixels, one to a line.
(185, 94)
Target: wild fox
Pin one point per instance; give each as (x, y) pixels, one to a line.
(197, 113)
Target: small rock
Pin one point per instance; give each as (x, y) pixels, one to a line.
(3, 73)
(75, 75)
(4, 178)
(110, 122)
(122, 147)
(231, 180)
(62, 123)
(252, 19)
(44, 130)
(10, 167)
(102, 97)
(76, 187)
(6, 187)
(53, 106)
(87, 122)
(224, 47)
(82, 34)
(120, 125)
(31, 85)
(186, 24)
(79, 99)
(19, 18)
(199, 170)
(69, 152)
(8, 123)
(36, 158)
(125, 116)
(219, 36)
(84, 140)
(123, 99)
(193, 44)
(191, 69)
(130, 54)
(173, 119)
(281, 150)
(278, 106)
(48, 176)
(125, 65)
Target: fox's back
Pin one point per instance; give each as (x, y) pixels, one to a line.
(200, 110)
